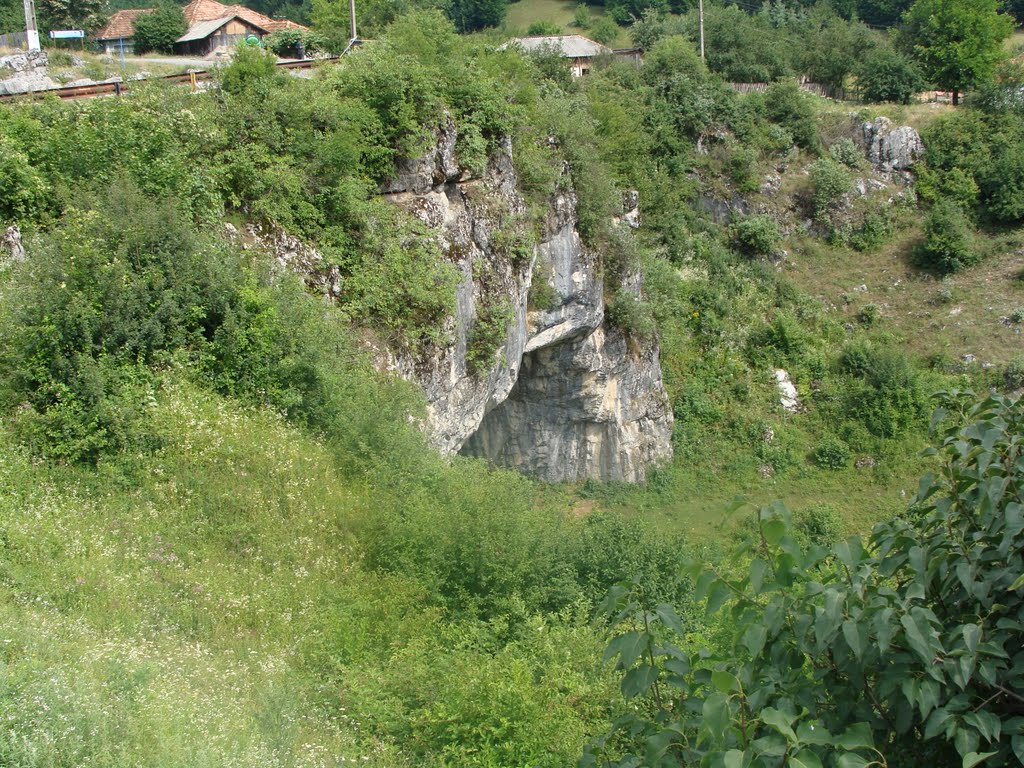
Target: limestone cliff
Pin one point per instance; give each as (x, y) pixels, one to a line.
(564, 396)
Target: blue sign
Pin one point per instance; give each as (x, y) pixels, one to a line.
(64, 34)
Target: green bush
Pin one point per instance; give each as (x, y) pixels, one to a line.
(885, 391)
(885, 75)
(830, 182)
(869, 314)
(787, 105)
(543, 28)
(582, 17)
(158, 31)
(949, 242)
(487, 334)
(757, 235)
(1013, 374)
(285, 42)
(831, 453)
(604, 30)
(632, 316)
(26, 194)
(250, 68)
(846, 152)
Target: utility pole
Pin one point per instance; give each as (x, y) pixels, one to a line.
(31, 30)
(700, 4)
(351, 18)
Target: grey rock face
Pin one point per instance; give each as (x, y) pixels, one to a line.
(586, 407)
(25, 72)
(891, 148)
(565, 397)
(11, 249)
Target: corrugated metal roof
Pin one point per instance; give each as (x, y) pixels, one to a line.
(203, 29)
(571, 46)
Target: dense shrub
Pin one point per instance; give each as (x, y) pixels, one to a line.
(250, 68)
(831, 453)
(543, 28)
(949, 243)
(885, 393)
(885, 75)
(846, 152)
(604, 30)
(285, 42)
(632, 316)
(786, 104)
(757, 235)
(830, 182)
(158, 31)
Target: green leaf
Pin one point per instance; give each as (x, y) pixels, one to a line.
(852, 634)
(971, 759)
(1018, 584)
(758, 570)
(627, 647)
(670, 618)
(805, 759)
(724, 681)
(780, 721)
(972, 635)
(638, 680)
(716, 715)
(734, 759)
(857, 736)
(773, 531)
(918, 633)
(813, 733)
(852, 760)
(755, 638)
(720, 592)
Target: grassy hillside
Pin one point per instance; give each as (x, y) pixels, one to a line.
(223, 540)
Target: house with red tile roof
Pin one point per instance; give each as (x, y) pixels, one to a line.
(212, 28)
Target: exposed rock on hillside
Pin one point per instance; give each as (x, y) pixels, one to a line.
(564, 396)
(24, 72)
(11, 249)
(891, 148)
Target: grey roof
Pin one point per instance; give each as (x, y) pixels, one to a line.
(204, 29)
(571, 46)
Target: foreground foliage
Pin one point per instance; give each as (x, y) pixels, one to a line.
(902, 648)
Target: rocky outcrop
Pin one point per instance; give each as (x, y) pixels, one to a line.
(11, 249)
(890, 147)
(588, 406)
(24, 72)
(564, 396)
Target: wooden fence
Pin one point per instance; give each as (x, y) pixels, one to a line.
(14, 40)
(825, 91)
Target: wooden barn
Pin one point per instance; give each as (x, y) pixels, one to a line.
(217, 36)
(212, 28)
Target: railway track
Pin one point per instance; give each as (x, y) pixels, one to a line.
(119, 88)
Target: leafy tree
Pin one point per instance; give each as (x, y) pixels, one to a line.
(901, 650)
(158, 30)
(957, 42)
(69, 14)
(471, 15)
(886, 75)
(832, 49)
